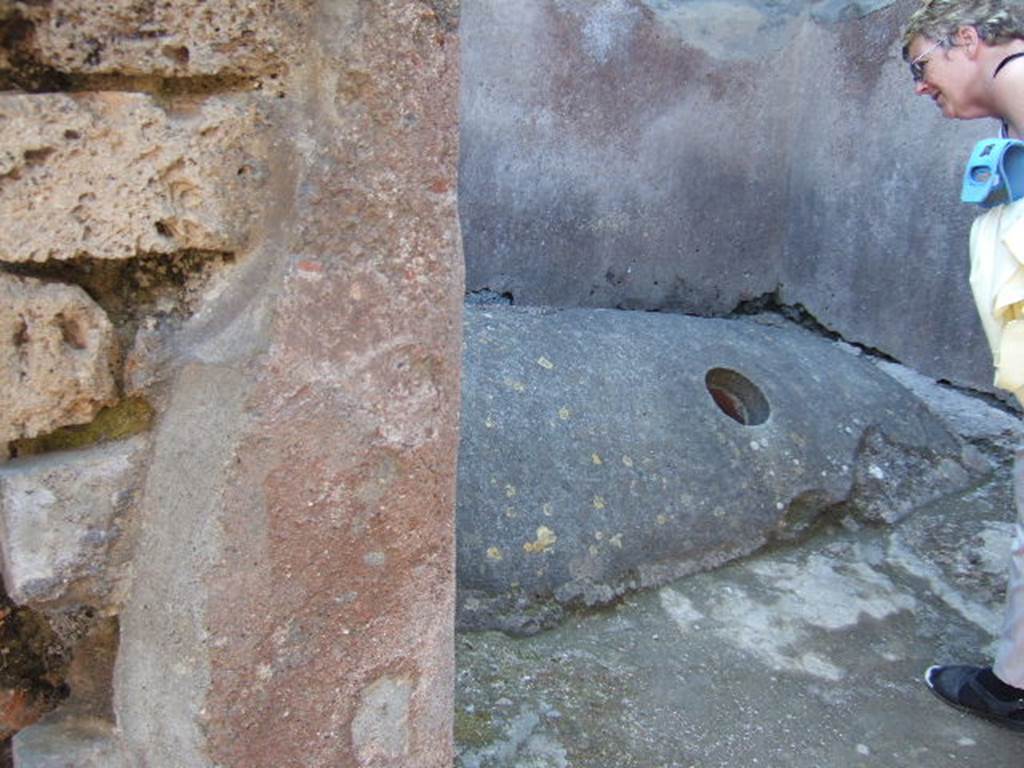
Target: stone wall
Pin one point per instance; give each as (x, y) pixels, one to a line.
(231, 282)
(711, 157)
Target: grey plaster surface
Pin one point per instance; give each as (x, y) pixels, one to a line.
(695, 156)
(164, 631)
(806, 656)
(594, 458)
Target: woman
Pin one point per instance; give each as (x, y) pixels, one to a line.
(968, 57)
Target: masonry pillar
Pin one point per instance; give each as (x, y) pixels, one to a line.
(285, 552)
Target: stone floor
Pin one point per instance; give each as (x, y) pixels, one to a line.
(808, 655)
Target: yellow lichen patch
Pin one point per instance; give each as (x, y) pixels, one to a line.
(594, 551)
(543, 362)
(596, 458)
(616, 540)
(510, 490)
(564, 413)
(661, 519)
(489, 423)
(545, 540)
(515, 386)
(474, 728)
(627, 460)
(494, 553)
(599, 535)
(599, 502)
(129, 417)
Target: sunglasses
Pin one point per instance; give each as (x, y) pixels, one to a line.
(917, 65)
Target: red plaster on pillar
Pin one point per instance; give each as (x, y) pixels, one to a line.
(331, 610)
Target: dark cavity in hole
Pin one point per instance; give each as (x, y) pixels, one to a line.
(737, 396)
(180, 54)
(34, 156)
(21, 334)
(72, 332)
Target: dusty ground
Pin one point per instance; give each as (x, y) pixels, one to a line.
(809, 655)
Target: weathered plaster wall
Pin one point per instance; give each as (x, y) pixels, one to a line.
(695, 156)
(230, 374)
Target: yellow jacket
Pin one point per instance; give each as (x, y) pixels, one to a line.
(997, 281)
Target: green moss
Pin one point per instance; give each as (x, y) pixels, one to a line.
(127, 418)
(473, 729)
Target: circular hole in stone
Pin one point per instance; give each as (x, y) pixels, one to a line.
(737, 396)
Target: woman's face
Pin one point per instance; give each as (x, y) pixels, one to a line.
(947, 76)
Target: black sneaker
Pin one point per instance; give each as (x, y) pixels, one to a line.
(959, 687)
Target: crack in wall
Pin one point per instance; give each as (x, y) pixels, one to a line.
(485, 296)
(27, 74)
(165, 286)
(770, 303)
(38, 79)
(35, 78)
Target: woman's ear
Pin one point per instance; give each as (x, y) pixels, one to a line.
(968, 39)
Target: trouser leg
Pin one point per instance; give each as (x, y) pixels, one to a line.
(1009, 664)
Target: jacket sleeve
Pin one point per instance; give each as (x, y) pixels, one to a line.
(1010, 355)
(1008, 311)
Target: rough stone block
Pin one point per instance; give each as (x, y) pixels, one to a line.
(217, 37)
(115, 176)
(55, 362)
(61, 519)
(85, 743)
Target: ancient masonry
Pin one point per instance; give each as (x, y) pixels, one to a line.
(230, 295)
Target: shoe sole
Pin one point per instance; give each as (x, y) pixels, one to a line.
(1013, 725)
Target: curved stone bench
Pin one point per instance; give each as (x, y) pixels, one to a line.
(604, 451)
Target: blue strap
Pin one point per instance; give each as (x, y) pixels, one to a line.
(994, 173)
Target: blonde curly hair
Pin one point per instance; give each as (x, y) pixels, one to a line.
(997, 21)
